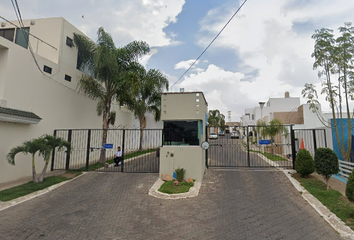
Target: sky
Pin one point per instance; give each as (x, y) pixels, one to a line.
(263, 52)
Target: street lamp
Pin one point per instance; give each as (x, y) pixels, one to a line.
(261, 105)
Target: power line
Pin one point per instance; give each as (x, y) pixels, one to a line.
(25, 34)
(6, 20)
(22, 26)
(210, 43)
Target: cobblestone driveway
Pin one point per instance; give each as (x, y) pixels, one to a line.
(241, 204)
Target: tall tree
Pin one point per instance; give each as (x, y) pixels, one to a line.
(107, 65)
(142, 94)
(32, 147)
(216, 119)
(334, 61)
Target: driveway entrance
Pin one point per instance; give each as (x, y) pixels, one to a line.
(251, 146)
(232, 204)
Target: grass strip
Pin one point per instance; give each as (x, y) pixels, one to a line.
(269, 156)
(30, 187)
(168, 187)
(332, 199)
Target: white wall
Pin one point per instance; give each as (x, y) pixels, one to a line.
(49, 96)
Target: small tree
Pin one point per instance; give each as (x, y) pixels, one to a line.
(274, 128)
(349, 191)
(326, 163)
(34, 146)
(53, 142)
(304, 163)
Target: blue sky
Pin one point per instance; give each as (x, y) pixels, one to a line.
(265, 50)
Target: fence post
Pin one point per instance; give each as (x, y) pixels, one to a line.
(206, 151)
(314, 139)
(88, 149)
(123, 149)
(53, 153)
(68, 152)
(293, 151)
(325, 137)
(248, 148)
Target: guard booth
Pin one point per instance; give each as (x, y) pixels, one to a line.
(184, 116)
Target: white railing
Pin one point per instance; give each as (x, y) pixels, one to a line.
(345, 168)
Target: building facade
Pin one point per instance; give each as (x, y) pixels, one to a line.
(38, 92)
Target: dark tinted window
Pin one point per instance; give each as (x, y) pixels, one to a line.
(22, 35)
(67, 78)
(181, 133)
(8, 34)
(47, 69)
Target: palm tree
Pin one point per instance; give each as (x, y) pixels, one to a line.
(216, 119)
(142, 94)
(107, 65)
(33, 146)
(53, 142)
(271, 130)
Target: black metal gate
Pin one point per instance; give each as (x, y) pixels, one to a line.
(250, 146)
(140, 150)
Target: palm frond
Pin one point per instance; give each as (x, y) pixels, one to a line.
(14, 151)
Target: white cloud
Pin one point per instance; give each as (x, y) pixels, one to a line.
(125, 20)
(186, 64)
(262, 34)
(222, 89)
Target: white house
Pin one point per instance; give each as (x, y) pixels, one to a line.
(266, 110)
(38, 93)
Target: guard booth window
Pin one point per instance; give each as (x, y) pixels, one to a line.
(181, 133)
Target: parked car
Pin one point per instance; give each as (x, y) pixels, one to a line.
(235, 134)
(213, 135)
(221, 133)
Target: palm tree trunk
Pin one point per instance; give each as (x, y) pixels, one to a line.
(34, 174)
(41, 177)
(104, 137)
(142, 121)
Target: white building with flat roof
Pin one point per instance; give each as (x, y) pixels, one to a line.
(266, 110)
(38, 93)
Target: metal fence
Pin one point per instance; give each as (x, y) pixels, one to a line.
(139, 150)
(262, 146)
(311, 138)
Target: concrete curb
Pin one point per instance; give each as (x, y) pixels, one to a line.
(343, 230)
(5, 205)
(154, 191)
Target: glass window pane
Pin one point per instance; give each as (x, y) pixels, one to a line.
(181, 133)
(22, 36)
(8, 34)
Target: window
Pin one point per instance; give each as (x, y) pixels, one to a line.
(47, 69)
(67, 78)
(181, 133)
(69, 42)
(8, 34)
(252, 116)
(22, 36)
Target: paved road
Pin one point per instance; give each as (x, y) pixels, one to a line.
(227, 152)
(240, 204)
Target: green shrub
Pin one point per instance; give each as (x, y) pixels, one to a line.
(326, 163)
(349, 190)
(180, 172)
(304, 163)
